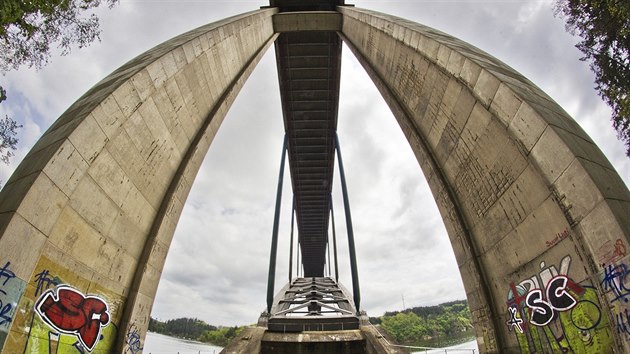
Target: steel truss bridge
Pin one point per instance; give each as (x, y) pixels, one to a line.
(309, 66)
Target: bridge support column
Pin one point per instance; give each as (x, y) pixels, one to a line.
(334, 233)
(524, 193)
(291, 240)
(271, 278)
(94, 205)
(356, 291)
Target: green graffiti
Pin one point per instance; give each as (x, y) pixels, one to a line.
(43, 340)
(582, 329)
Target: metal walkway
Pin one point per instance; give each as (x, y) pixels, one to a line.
(309, 67)
(313, 304)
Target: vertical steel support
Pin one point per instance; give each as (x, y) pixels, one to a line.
(297, 263)
(332, 218)
(346, 205)
(274, 238)
(291, 242)
(329, 259)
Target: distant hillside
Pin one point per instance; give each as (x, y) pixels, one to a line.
(445, 324)
(195, 329)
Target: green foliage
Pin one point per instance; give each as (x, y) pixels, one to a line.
(8, 139)
(604, 26)
(221, 336)
(28, 28)
(190, 328)
(156, 326)
(407, 327)
(419, 325)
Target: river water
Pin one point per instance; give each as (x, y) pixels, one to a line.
(467, 347)
(161, 344)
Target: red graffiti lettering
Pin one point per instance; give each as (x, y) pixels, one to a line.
(70, 312)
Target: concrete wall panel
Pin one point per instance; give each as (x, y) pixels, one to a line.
(518, 183)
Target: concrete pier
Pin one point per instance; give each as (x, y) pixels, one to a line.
(365, 340)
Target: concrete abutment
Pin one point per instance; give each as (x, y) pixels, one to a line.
(537, 216)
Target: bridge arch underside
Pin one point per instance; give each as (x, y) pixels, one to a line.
(94, 204)
(528, 200)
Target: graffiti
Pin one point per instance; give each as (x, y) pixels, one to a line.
(5, 313)
(549, 312)
(518, 293)
(614, 284)
(11, 290)
(615, 281)
(134, 345)
(5, 308)
(45, 281)
(623, 322)
(79, 347)
(558, 299)
(6, 273)
(559, 237)
(68, 311)
(514, 321)
(612, 253)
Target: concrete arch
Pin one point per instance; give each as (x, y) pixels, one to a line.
(95, 203)
(524, 193)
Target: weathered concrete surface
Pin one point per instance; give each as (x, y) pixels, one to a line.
(95, 203)
(376, 343)
(248, 341)
(342, 342)
(525, 194)
(307, 21)
(366, 340)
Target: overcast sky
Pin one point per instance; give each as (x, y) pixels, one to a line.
(217, 266)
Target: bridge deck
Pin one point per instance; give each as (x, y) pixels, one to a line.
(309, 65)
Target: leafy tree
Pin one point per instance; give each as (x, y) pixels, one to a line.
(604, 26)
(8, 133)
(221, 336)
(28, 28)
(429, 325)
(156, 325)
(180, 327)
(405, 327)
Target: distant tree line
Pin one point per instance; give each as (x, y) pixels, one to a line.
(444, 324)
(195, 329)
(428, 325)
